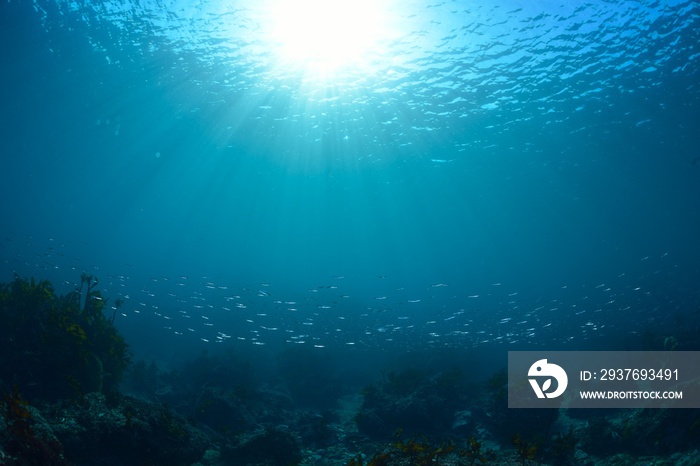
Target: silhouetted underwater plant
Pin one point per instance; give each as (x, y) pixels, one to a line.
(144, 378)
(527, 449)
(54, 347)
(563, 448)
(473, 451)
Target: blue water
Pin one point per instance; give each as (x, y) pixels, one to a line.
(489, 175)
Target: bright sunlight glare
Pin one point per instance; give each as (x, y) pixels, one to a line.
(323, 36)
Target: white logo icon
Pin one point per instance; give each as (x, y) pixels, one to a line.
(542, 368)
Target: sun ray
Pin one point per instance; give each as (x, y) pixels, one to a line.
(324, 37)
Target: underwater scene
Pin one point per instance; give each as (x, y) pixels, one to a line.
(309, 232)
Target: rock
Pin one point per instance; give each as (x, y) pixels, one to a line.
(128, 432)
(269, 448)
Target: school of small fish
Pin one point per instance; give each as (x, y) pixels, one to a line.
(340, 311)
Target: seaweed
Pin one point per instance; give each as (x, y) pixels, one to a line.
(473, 452)
(527, 449)
(25, 446)
(58, 346)
(563, 448)
(424, 453)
